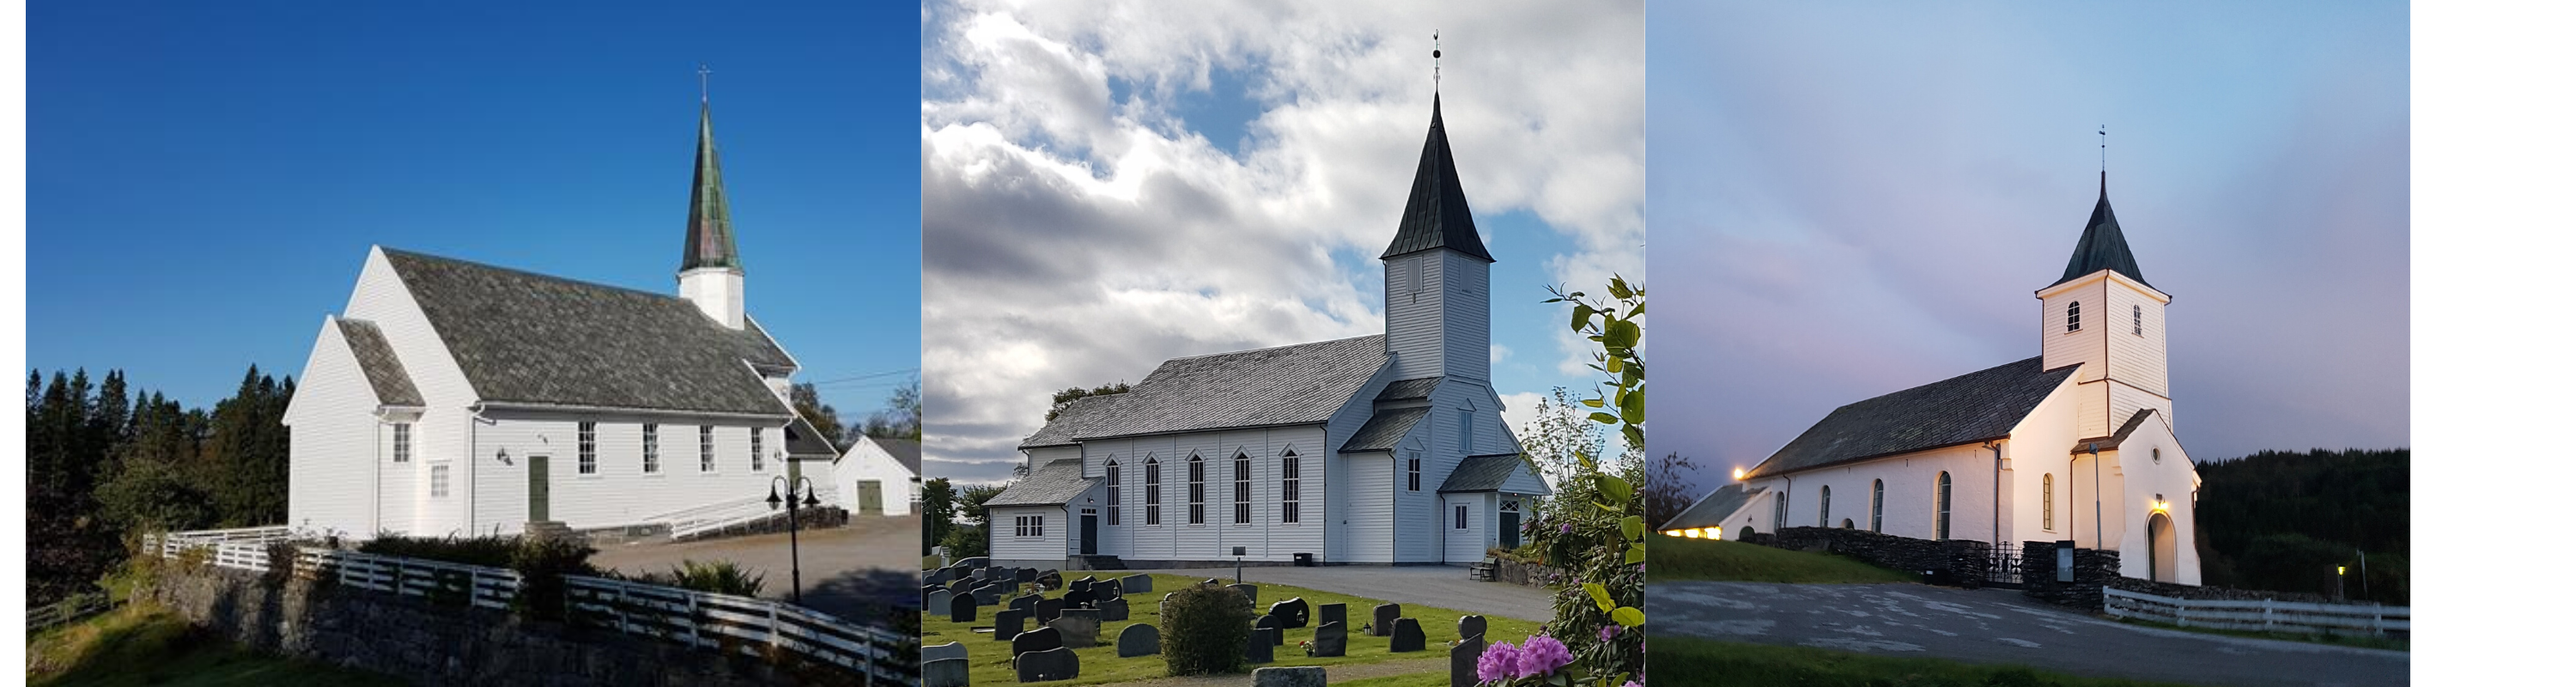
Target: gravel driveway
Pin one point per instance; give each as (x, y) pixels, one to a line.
(2000, 626)
(847, 569)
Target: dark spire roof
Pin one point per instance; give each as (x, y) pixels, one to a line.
(2102, 247)
(710, 220)
(1436, 216)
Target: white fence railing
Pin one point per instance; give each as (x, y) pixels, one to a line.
(2277, 616)
(716, 516)
(714, 621)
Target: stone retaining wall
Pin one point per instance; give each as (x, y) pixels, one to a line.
(2093, 568)
(413, 639)
(1524, 574)
(1950, 562)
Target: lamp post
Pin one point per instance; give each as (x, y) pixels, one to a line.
(795, 571)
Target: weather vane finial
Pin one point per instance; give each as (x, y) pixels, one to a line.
(702, 82)
(1435, 60)
(2106, 149)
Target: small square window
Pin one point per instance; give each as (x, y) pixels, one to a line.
(1462, 518)
(402, 442)
(438, 481)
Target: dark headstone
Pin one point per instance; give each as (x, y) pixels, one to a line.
(1050, 579)
(1332, 613)
(1136, 584)
(1113, 610)
(1384, 623)
(1007, 623)
(1086, 582)
(946, 672)
(1462, 660)
(1251, 593)
(961, 609)
(1105, 590)
(1298, 676)
(939, 651)
(1214, 581)
(1025, 575)
(1077, 598)
(1270, 624)
(1140, 639)
(1040, 639)
(1026, 602)
(934, 578)
(1471, 626)
(960, 585)
(1256, 646)
(976, 562)
(1408, 636)
(1052, 664)
(989, 595)
(1331, 639)
(1079, 628)
(1291, 613)
(936, 602)
(1049, 609)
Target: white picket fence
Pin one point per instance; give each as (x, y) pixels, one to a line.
(2276, 616)
(714, 621)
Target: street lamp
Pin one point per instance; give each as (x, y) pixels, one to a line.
(795, 571)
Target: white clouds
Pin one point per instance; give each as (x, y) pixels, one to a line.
(1077, 229)
(1519, 409)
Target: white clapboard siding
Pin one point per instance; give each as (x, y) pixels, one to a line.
(1414, 328)
(332, 465)
(2061, 348)
(619, 493)
(2137, 355)
(1467, 320)
(445, 425)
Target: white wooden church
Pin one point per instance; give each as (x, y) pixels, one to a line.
(1383, 449)
(451, 397)
(2076, 444)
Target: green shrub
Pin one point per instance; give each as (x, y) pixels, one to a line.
(716, 577)
(1205, 629)
(541, 564)
(488, 551)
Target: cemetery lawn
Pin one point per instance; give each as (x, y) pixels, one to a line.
(1674, 558)
(989, 661)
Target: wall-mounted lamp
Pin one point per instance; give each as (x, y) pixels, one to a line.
(1739, 474)
(502, 455)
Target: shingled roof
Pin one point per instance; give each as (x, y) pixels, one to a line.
(1711, 510)
(1409, 389)
(376, 358)
(1286, 385)
(1970, 408)
(2116, 438)
(1481, 473)
(2102, 247)
(905, 451)
(523, 337)
(1052, 484)
(804, 440)
(1436, 214)
(1384, 429)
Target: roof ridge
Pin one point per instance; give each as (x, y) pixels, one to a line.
(1953, 378)
(389, 250)
(1269, 348)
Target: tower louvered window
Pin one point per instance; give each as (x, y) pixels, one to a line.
(1242, 489)
(2138, 320)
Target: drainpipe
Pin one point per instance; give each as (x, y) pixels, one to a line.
(2097, 493)
(1998, 448)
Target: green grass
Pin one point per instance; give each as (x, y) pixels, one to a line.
(1675, 558)
(145, 644)
(2330, 639)
(989, 662)
(1705, 662)
(1436, 678)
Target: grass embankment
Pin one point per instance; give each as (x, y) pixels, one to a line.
(1672, 558)
(989, 661)
(145, 644)
(1730, 663)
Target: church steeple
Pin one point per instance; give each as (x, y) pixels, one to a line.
(2102, 247)
(1436, 215)
(710, 220)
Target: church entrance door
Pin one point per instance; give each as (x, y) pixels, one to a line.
(1090, 533)
(2160, 548)
(1511, 530)
(540, 490)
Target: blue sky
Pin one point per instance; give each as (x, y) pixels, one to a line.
(204, 178)
(1849, 199)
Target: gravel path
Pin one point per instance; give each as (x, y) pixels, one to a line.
(868, 562)
(1436, 586)
(2000, 626)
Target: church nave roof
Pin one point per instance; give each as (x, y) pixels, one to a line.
(1970, 408)
(1285, 385)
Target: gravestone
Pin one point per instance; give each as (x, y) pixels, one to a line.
(1040, 639)
(1408, 636)
(1291, 613)
(1331, 639)
(1298, 676)
(1256, 646)
(976, 562)
(1077, 598)
(933, 578)
(1384, 622)
(1136, 584)
(1471, 626)
(1105, 590)
(1462, 660)
(1139, 639)
(1214, 581)
(1086, 582)
(1078, 628)
(925, 593)
(1025, 575)
(1007, 623)
(962, 609)
(936, 602)
(1026, 602)
(1113, 610)
(1052, 664)
(978, 574)
(1251, 593)
(1332, 613)
(960, 585)
(989, 595)
(1050, 579)
(1270, 624)
(1049, 609)
(939, 651)
(946, 672)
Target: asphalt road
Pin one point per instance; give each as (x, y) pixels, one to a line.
(848, 570)
(1436, 586)
(2000, 626)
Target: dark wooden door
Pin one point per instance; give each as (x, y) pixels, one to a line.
(1511, 530)
(540, 490)
(1090, 534)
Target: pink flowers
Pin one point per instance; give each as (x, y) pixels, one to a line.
(1567, 528)
(1609, 631)
(1539, 655)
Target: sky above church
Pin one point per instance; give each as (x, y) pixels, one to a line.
(1850, 199)
(1110, 185)
(204, 179)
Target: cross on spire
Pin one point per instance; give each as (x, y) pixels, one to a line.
(1435, 60)
(702, 81)
(2106, 150)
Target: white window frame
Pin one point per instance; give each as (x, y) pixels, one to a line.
(1941, 493)
(1288, 482)
(759, 463)
(1153, 491)
(707, 449)
(1242, 488)
(1877, 504)
(438, 488)
(402, 442)
(1111, 470)
(652, 448)
(586, 460)
(1037, 525)
(2074, 316)
(1824, 505)
(1198, 491)
(1462, 517)
(1413, 471)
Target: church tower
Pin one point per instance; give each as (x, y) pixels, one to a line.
(1439, 307)
(710, 269)
(2102, 314)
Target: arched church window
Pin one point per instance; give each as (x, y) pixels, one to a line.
(2138, 320)
(2074, 315)
(1112, 473)
(1941, 520)
(1153, 491)
(1824, 505)
(1847, 524)
(1288, 487)
(1780, 512)
(2048, 502)
(1877, 504)
(1198, 491)
(2156, 455)
(1242, 489)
